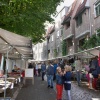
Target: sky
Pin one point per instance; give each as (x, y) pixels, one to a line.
(65, 3)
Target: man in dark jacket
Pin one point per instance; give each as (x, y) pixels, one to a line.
(43, 69)
(55, 67)
(50, 73)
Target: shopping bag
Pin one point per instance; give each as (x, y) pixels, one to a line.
(45, 77)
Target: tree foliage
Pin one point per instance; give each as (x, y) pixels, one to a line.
(92, 42)
(27, 17)
(64, 48)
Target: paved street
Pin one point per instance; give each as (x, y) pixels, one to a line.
(82, 93)
(39, 91)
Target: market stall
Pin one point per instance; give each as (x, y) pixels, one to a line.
(14, 47)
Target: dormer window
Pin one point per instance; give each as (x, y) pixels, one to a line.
(82, 1)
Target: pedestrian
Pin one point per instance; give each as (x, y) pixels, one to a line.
(30, 65)
(87, 69)
(59, 83)
(39, 69)
(36, 68)
(78, 68)
(67, 80)
(43, 70)
(50, 73)
(55, 67)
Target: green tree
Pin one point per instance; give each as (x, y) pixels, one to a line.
(27, 17)
(64, 47)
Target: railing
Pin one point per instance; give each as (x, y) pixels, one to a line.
(81, 29)
(67, 32)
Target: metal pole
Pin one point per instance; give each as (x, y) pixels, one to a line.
(2, 60)
(90, 22)
(6, 72)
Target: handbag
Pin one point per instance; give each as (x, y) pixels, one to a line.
(45, 77)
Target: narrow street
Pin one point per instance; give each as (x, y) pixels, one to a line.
(39, 91)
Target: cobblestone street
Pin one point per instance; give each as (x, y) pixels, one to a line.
(39, 91)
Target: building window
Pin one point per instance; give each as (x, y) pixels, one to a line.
(70, 43)
(52, 38)
(97, 9)
(79, 20)
(58, 49)
(61, 32)
(67, 25)
(58, 33)
(81, 43)
(98, 32)
(82, 1)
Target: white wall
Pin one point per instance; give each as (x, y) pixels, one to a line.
(9, 65)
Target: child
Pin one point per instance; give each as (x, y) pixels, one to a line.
(59, 83)
(67, 80)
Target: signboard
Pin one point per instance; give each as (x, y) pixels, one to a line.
(29, 73)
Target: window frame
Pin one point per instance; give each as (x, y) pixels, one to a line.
(97, 5)
(78, 21)
(98, 33)
(52, 38)
(58, 34)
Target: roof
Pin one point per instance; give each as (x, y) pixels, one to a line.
(50, 31)
(67, 17)
(17, 45)
(81, 8)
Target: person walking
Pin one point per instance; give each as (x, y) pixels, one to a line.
(59, 83)
(43, 70)
(39, 69)
(78, 68)
(55, 67)
(67, 80)
(50, 73)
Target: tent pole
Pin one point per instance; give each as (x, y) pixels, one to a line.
(6, 71)
(2, 62)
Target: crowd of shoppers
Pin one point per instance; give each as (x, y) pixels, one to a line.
(61, 71)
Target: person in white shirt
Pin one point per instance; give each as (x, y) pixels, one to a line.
(78, 68)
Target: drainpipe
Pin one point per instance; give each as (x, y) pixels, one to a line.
(90, 22)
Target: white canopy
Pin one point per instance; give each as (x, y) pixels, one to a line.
(21, 46)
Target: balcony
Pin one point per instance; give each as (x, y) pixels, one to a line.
(67, 33)
(83, 28)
